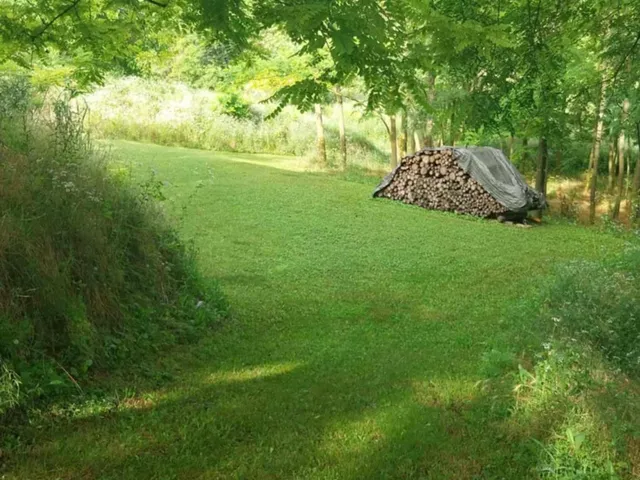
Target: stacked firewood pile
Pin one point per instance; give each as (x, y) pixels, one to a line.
(433, 179)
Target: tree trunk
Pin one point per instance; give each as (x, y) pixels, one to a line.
(541, 172)
(595, 150)
(393, 140)
(431, 95)
(419, 139)
(452, 132)
(612, 165)
(403, 135)
(342, 129)
(628, 150)
(321, 144)
(411, 143)
(635, 193)
(511, 141)
(525, 154)
(621, 159)
(595, 128)
(636, 173)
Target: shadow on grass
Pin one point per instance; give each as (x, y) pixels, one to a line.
(285, 419)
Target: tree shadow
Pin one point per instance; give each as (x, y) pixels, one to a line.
(286, 419)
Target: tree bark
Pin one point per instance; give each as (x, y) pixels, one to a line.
(341, 127)
(541, 172)
(419, 139)
(613, 154)
(525, 154)
(411, 143)
(321, 144)
(621, 159)
(636, 173)
(393, 140)
(431, 95)
(403, 135)
(635, 193)
(595, 130)
(595, 150)
(628, 150)
(452, 132)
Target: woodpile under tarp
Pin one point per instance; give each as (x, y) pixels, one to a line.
(473, 181)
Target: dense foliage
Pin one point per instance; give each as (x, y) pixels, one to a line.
(559, 73)
(91, 275)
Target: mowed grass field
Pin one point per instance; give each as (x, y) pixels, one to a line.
(361, 336)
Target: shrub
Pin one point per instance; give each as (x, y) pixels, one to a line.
(91, 274)
(236, 107)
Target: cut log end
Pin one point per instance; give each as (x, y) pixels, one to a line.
(433, 179)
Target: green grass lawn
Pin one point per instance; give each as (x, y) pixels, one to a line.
(356, 347)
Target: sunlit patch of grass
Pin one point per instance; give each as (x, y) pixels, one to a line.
(254, 373)
(445, 394)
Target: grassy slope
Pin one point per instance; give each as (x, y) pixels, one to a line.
(356, 343)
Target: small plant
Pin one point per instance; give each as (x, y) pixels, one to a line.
(9, 388)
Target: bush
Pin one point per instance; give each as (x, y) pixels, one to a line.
(236, 107)
(91, 275)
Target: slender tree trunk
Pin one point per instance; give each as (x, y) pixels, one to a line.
(511, 141)
(595, 128)
(411, 143)
(525, 154)
(595, 150)
(621, 159)
(628, 150)
(635, 190)
(419, 139)
(612, 164)
(342, 129)
(452, 133)
(393, 140)
(541, 172)
(636, 172)
(403, 135)
(321, 144)
(431, 95)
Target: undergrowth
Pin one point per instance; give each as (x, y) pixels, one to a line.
(176, 115)
(92, 276)
(582, 393)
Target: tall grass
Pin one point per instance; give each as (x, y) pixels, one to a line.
(581, 400)
(174, 114)
(91, 274)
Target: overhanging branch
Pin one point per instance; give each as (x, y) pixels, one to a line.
(47, 25)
